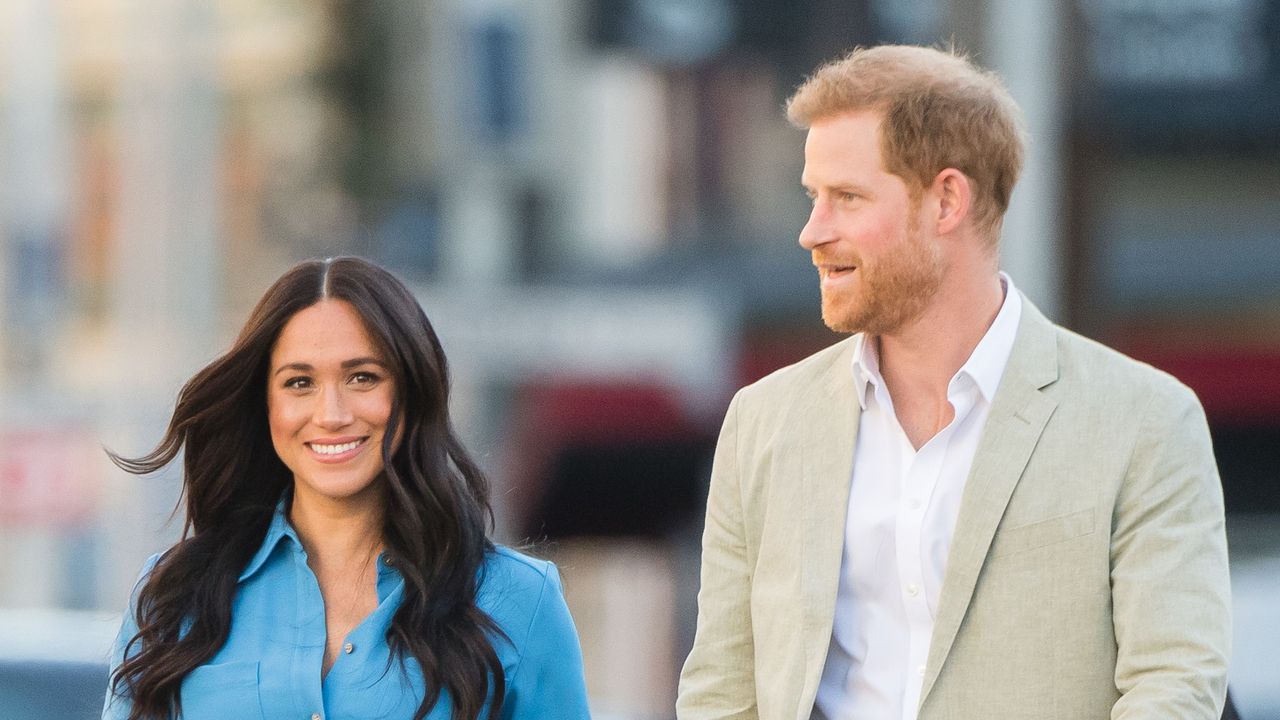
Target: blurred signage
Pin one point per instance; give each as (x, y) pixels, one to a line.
(667, 32)
(48, 476)
(1182, 74)
(1176, 43)
(688, 33)
(917, 22)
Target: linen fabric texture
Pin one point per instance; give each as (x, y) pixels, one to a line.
(1087, 577)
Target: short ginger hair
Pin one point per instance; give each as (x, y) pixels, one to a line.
(938, 110)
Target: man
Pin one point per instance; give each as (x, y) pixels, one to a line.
(962, 510)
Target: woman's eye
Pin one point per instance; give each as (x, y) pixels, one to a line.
(298, 383)
(364, 378)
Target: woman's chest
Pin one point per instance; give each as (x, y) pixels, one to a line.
(271, 664)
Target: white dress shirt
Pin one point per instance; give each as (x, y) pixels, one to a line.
(903, 505)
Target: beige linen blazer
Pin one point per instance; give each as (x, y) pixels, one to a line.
(1087, 577)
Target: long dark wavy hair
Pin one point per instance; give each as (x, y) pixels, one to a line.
(436, 518)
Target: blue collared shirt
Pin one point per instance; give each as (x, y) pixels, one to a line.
(270, 664)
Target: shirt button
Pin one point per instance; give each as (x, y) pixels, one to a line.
(348, 648)
(920, 671)
(315, 716)
(913, 590)
(914, 504)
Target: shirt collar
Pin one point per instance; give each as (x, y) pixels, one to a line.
(276, 531)
(985, 365)
(866, 367)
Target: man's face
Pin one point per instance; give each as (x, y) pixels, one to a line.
(878, 269)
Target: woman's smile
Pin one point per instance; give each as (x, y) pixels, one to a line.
(336, 451)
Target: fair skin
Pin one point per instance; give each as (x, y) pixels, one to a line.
(917, 276)
(329, 398)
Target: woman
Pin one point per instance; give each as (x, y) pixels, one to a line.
(334, 560)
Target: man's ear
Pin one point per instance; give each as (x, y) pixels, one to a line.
(954, 196)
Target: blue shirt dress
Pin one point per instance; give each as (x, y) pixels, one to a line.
(269, 668)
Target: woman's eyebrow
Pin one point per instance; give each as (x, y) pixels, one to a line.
(298, 366)
(346, 365)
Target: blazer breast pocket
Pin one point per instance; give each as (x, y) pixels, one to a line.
(217, 692)
(1043, 533)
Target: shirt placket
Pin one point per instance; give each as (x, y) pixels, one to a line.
(922, 469)
(348, 684)
(308, 653)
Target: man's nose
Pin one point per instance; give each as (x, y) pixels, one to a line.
(818, 230)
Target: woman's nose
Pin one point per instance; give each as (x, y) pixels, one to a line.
(331, 408)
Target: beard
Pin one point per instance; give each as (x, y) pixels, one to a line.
(888, 295)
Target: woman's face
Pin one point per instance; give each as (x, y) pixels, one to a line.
(329, 396)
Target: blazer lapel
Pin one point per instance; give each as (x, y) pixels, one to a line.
(1018, 416)
(829, 415)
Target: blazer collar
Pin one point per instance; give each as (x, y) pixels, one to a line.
(828, 415)
(1019, 413)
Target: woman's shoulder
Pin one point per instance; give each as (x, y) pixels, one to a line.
(516, 588)
(511, 571)
(523, 595)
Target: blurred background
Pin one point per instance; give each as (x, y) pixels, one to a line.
(597, 202)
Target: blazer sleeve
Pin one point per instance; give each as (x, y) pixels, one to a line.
(549, 681)
(1171, 590)
(718, 679)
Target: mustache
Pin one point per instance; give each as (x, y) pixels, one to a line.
(844, 260)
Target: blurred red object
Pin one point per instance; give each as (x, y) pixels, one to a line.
(48, 476)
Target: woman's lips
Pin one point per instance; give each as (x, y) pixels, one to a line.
(336, 450)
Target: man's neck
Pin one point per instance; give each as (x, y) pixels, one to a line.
(918, 361)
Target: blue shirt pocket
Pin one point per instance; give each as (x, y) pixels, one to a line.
(217, 692)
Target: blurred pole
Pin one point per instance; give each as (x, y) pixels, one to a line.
(482, 71)
(469, 112)
(35, 195)
(619, 202)
(35, 209)
(165, 260)
(1024, 44)
(492, 84)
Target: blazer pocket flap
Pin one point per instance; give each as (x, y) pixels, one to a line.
(1044, 532)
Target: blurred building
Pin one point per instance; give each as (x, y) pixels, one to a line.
(598, 201)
